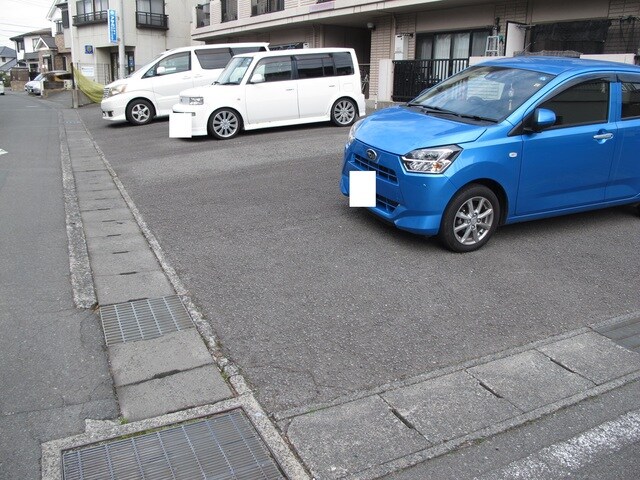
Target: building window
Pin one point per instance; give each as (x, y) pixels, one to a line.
(91, 11)
(65, 18)
(59, 28)
(259, 7)
(203, 15)
(229, 10)
(150, 14)
(453, 45)
(20, 45)
(34, 43)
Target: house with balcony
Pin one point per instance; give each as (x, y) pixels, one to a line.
(149, 27)
(408, 45)
(36, 51)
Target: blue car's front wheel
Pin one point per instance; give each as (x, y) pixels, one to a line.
(470, 219)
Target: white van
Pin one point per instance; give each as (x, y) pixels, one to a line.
(151, 90)
(273, 89)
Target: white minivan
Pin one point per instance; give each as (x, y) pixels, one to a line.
(151, 90)
(273, 89)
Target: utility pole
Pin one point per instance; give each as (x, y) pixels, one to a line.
(121, 56)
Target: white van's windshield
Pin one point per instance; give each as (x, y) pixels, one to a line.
(234, 71)
(482, 93)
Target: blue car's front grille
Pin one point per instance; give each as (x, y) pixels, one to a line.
(386, 204)
(383, 172)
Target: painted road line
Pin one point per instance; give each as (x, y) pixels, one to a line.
(566, 458)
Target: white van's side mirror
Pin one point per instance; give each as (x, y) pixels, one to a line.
(161, 70)
(257, 78)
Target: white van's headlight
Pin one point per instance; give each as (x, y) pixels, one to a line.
(196, 101)
(117, 89)
(431, 160)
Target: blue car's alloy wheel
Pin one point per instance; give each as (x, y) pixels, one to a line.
(470, 219)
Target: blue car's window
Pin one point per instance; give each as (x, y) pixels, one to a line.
(630, 100)
(486, 92)
(581, 104)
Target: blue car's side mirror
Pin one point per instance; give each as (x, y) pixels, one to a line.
(542, 118)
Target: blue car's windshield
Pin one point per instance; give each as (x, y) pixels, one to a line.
(482, 93)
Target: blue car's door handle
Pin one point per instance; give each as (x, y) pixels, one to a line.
(603, 136)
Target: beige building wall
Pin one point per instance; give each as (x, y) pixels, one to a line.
(381, 48)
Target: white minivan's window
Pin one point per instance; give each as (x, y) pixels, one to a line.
(234, 71)
(180, 62)
(314, 66)
(274, 69)
(483, 93)
(213, 58)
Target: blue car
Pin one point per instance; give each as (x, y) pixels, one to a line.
(505, 141)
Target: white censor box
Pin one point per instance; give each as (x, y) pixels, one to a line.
(362, 189)
(180, 125)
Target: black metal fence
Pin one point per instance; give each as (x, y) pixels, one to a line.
(90, 17)
(410, 77)
(152, 20)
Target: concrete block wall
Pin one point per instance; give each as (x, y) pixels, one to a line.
(511, 11)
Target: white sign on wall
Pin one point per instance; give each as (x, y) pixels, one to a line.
(88, 71)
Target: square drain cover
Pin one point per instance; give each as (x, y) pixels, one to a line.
(625, 333)
(144, 319)
(222, 447)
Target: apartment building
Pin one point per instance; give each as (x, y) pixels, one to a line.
(149, 27)
(412, 44)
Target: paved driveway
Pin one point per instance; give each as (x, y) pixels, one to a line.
(314, 300)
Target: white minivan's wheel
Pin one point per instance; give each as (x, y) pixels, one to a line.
(224, 124)
(139, 112)
(470, 219)
(344, 112)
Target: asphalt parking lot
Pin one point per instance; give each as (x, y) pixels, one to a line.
(314, 300)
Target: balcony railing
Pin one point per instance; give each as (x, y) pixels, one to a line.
(410, 77)
(90, 18)
(260, 7)
(152, 20)
(229, 10)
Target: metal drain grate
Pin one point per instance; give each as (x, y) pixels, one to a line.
(144, 319)
(224, 447)
(625, 333)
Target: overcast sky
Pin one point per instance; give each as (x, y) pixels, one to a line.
(22, 16)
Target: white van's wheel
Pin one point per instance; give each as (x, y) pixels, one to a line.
(343, 112)
(224, 124)
(139, 112)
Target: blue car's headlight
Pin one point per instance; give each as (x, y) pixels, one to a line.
(352, 132)
(430, 160)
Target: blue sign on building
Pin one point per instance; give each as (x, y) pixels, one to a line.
(113, 27)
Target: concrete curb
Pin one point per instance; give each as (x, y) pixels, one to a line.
(84, 292)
